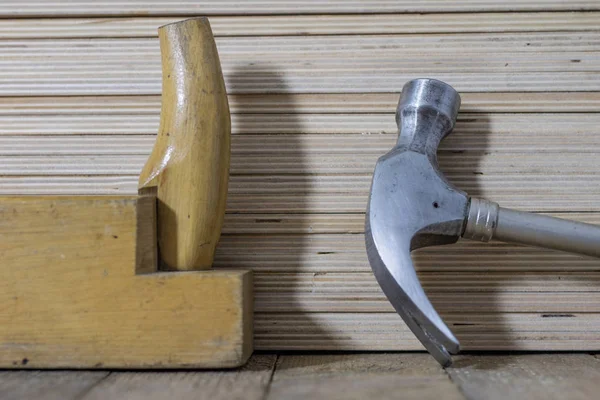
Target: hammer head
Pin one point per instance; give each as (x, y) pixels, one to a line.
(412, 205)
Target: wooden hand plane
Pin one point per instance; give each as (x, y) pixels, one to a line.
(125, 281)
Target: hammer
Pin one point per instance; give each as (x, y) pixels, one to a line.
(412, 205)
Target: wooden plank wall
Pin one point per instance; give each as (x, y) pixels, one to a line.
(313, 87)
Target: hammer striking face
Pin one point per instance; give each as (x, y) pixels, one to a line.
(412, 205)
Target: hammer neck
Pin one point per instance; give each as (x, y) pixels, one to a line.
(422, 129)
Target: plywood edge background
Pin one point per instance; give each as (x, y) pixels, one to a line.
(313, 88)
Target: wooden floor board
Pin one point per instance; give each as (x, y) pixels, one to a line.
(331, 376)
(48, 385)
(559, 376)
(360, 376)
(248, 383)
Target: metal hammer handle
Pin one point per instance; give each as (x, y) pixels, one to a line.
(486, 220)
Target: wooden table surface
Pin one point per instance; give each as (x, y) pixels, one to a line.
(345, 376)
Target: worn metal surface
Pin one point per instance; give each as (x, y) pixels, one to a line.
(412, 205)
(531, 229)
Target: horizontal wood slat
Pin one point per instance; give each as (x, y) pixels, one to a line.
(453, 164)
(386, 331)
(338, 193)
(259, 25)
(325, 103)
(525, 128)
(473, 133)
(487, 292)
(312, 64)
(271, 252)
(47, 8)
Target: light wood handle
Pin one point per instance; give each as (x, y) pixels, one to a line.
(190, 160)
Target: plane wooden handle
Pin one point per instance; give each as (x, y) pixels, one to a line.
(190, 160)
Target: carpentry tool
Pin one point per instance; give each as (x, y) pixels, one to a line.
(81, 284)
(189, 163)
(412, 205)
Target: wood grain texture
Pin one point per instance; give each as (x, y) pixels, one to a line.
(312, 87)
(386, 331)
(71, 297)
(335, 194)
(48, 385)
(360, 376)
(327, 253)
(317, 161)
(248, 383)
(382, 376)
(132, 107)
(494, 62)
(560, 376)
(189, 163)
(330, 24)
(146, 248)
(190, 7)
(340, 194)
(486, 292)
(478, 126)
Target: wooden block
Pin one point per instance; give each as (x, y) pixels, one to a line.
(71, 297)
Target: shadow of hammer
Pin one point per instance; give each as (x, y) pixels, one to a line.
(412, 205)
